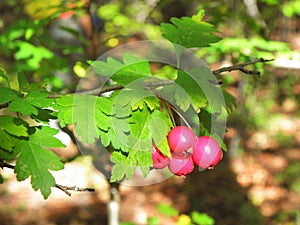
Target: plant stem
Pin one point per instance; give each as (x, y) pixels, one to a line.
(178, 113)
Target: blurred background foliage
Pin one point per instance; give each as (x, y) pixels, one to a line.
(53, 41)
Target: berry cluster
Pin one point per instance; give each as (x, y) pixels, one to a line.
(187, 150)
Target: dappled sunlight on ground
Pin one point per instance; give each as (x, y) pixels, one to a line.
(240, 190)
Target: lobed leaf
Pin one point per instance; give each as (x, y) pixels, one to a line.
(45, 137)
(159, 126)
(230, 101)
(136, 144)
(64, 106)
(133, 68)
(208, 84)
(189, 33)
(136, 95)
(84, 113)
(31, 102)
(8, 124)
(7, 141)
(39, 99)
(122, 168)
(189, 92)
(140, 135)
(23, 106)
(35, 161)
(7, 95)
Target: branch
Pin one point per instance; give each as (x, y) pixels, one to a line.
(156, 84)
(2, 106)
(63, 188)
(115, 87)
(241, 67)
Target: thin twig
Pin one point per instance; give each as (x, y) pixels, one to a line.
(241, 67)
(66, 189)
(7, 165)
(63, 188)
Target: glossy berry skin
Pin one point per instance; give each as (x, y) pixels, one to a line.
(181, 164)
(207, 152)
(181, 139)
(159, 160)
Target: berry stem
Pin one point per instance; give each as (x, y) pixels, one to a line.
(171, 107)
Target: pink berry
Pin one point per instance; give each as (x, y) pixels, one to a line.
(159, 160)
(181, 139)
(181, 164)
(207, 152)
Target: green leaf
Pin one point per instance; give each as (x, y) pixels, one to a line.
(84, 113)
(4, 76)
(189, 33)
(9, 155)
(65, 100)
(7, 95)
(136, 144)
(133, 68)
(36, 162)
(119, 135)
(159, 126)
(103, 115)
(189, 91)
(202, 218)
(39, 99)
(230, 101)
(154, 220)
(167, 210)
(124, 166)
(104, 137)
(7, 141)
(30, 103)
(105, 105)
(144, 160)
(212, 126)
(152, 102)
(108, 68)
(64, 105)
(102, 120)
(136, 95)
(44, 115)
(45, 137)
(118, 172)
(8, 124)
(140, 135)
(208, 84)
(23, 106)
(23, 83)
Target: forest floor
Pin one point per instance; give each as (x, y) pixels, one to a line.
(241, 190)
